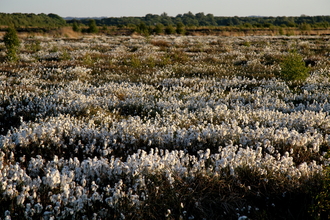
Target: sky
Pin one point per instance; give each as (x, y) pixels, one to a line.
(126, 8)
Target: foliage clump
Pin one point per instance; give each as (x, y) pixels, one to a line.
(92, 28)
(293, 68)
(159, 28)
(75, 27)
(143, 29)
(180, 29)
(12, 44)
(32, 20)
(169, 29)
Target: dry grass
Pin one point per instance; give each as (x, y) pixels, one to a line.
(66, 32)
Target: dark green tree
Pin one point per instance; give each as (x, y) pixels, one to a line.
(12, 44)
(151, 19)
(189, 19)
(75, 27)
(165, 19)
(247, 25)
(180, 29)
(143, 29)
(159, 28)
(58, 19)
(202, 19)
(169, 29)
(92, 28)
(305, 27)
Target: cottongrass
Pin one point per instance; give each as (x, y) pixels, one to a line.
(178, 142)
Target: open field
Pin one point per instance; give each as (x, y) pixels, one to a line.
(163, 127)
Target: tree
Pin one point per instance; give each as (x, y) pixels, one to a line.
(211, 20)
(159, 28)
(202, 19)
(92, 28)
(142, 28)
(165, 19)
(151, 19)
(293, 68)
(12, 44)
(75, 27)
(180, 28)
(169, 29)
(189, 19)
(305, 27)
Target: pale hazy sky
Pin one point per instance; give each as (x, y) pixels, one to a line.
(120, 8)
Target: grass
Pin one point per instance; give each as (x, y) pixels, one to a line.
(106, 100)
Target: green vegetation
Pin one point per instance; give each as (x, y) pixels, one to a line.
(169, 29)
(200, 19)
(92, 28)
(159, 28)
(180, 28)
(143, 29)
(12, 44)
(187, 23)
(293, 68)
(31, 20)
(227, 138)
(75, 27)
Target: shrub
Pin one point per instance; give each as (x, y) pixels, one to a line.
(159, 28)
(180, 28)
(169, 29)
(293, 68)
(92, 28)
(143, 29)
(12, 44)
(305, 27)
(75, 27)
(281, 31)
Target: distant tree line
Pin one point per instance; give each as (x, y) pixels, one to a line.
(31, 20)
(161, 22)
(200, 19)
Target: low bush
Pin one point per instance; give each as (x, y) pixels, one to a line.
(12, 44)
(293, 68)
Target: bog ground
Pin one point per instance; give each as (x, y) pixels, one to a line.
(164, 127)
